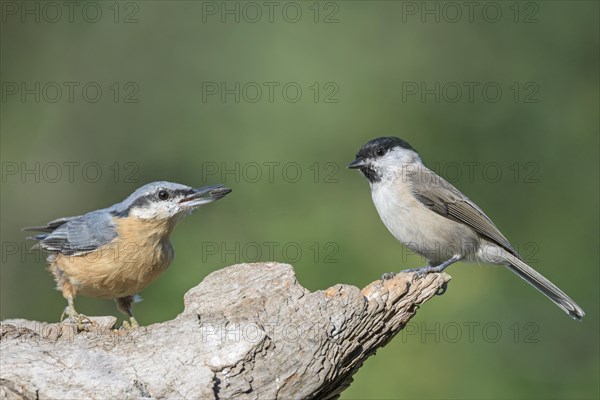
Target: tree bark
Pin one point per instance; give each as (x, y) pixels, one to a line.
(248, 331)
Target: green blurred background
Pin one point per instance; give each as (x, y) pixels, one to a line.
(490, 336)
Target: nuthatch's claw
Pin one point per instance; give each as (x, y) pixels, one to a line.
(131, 324)
(79, 320)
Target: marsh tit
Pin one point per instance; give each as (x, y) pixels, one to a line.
(434, 219)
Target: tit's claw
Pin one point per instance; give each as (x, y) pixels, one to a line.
(442, 289)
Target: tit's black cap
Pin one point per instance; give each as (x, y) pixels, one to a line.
(378, 147)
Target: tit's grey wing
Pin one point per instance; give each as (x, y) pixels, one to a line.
(79, 235)
(443, 198)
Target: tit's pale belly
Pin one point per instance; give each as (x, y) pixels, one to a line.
(423, 231)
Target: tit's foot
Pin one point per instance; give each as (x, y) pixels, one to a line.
(419, 270)
(389, 275)
(429, 269)
(131, 324)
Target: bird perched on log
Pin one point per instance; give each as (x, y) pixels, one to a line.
(434, 219)
(117, 251)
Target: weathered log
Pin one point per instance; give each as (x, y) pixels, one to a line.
(248, 331)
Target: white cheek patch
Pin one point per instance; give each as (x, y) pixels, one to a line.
(400, 157)
(388, 167)
(396, 163)
(144, 213)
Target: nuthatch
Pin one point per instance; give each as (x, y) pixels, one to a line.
(117, 251)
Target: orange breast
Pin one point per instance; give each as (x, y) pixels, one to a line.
(140, 253)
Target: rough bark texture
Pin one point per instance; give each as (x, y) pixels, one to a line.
(249, 331)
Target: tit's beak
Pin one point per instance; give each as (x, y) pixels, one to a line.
(358, 163)
(204, 195)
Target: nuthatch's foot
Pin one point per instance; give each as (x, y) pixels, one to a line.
(81, 321)
(131, 324)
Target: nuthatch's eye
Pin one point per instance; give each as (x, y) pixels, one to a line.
(163, 194)
(380, 151)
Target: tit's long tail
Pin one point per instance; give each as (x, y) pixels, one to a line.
(542, 284)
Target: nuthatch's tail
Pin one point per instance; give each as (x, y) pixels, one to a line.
(542, 284)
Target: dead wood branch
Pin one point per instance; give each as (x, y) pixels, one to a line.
(248, 331)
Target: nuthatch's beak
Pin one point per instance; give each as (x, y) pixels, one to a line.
(204, 195)
(358, 163)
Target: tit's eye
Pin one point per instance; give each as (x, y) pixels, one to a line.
(163, 195)
(380, 151)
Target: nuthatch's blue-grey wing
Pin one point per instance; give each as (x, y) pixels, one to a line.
(51, 226)
(77, 235)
